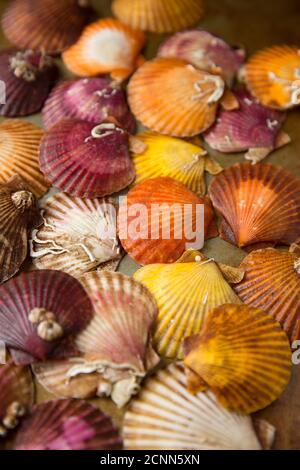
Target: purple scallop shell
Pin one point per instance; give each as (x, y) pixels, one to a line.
(55, 291)
(252, 126)
(67, 425)
(205, 51)
(25, 96)
(86, 160)
(89, 99)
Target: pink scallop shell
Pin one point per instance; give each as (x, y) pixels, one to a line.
(250, 126)
(55, 291)
(26, 97)
(89, 99)
(205, 51)
(67, 425)
(86, 166)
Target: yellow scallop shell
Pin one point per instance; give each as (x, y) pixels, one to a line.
(185, 292)
(176, 158)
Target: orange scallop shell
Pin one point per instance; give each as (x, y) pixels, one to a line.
(158, 16)
(259, 204)
(272, 283)
(105, 47)
(141, 227)
(172, 97)
(273, 76)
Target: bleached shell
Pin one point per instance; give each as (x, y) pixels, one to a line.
(272, 283)
(242, 355)
(67, 425)
(77, 236)
(160, 104)
(181, 311)
(90, 56)
(158, 16)
(19, 148)
(258, 203)
(166, 416)
(115, 348)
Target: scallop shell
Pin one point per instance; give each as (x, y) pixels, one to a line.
(273, 76)
(181, 312)
(160, 104)
(28, 77)
(252, 127)
(158, 16)
(93, 100)
(166, 416)
(18, 214)
(176, 158)
(160, 218)
(39, 312)
(115, 348)
(205, 51)
(272, 283)
(19, 148)
(86, 160)
(90, 55)
(67, 425)
(16, 395)
(46, 25)
(77, 235)
(259, 204)
(242, 355)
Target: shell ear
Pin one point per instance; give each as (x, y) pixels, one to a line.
(231, 274)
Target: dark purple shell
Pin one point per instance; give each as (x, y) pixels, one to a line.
(86, 166)
(28, 77)
(88, 99)
(67, 425)
(205, 51)
(250, 126)
(55, 291)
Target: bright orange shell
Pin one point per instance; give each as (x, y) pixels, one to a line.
(172, 97)
(273, 76)
(161, 236)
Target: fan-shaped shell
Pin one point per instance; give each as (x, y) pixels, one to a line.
(273, 76)
(160, 218)
(205, 51)
(91, 55)
(181, 312)
(89, 99)
(252, 127)
(77, 235)
(166, 416)
(157, 15)
(259, 203)
(48, 25)
(86, 160)
(176, 158)
(16, 395)
(242, 355)
(67, 425)
(19, 147)
(38, 311)
(181, 111)
(18, 214)
(115, 348)
(28, 77)
(272, 283)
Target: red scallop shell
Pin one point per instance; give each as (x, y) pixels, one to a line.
(67, 425)
(90, 99)
(259, 204)
(145, 248)
(55, 291)
(24, 97)
(85, 166)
